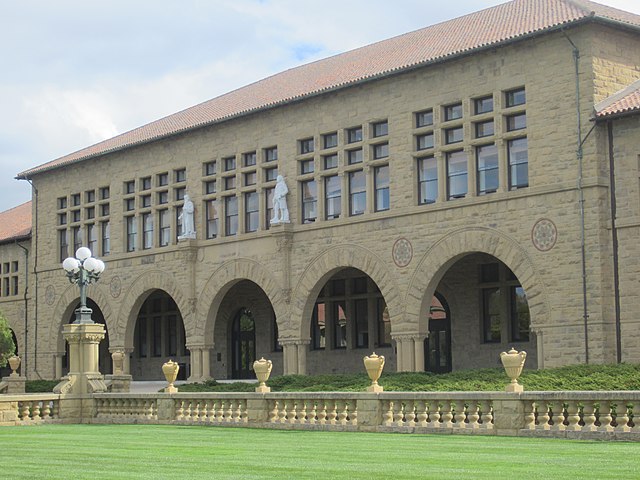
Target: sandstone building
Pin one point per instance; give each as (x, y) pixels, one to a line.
(453, 192)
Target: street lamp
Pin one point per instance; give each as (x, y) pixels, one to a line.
(83, 270)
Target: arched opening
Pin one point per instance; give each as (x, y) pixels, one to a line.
(159, 335)
(104, 357)
(486, 312)
(244, 330)
(243, 345)
(349, 319)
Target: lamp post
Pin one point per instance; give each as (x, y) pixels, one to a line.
(83, 270)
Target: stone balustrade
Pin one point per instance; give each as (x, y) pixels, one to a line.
(312, 409)
(28, 409)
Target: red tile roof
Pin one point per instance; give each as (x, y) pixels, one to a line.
(624, 102)
(497, 25)
(15, 224)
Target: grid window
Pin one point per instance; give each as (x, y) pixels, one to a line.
(306, 146)
(163, 197)
(487, 174)
(104, 209)
(229, 163)
(75, 216)
(491, 315)
(230, 183)
(271, 154)
(381, 186)
(380, 129)
(518, 163)
(380, 151)
(330, 161)
(330, 140)
(231, 215)
(129, 187)
(339, 325)
(354, 156)
(357, 192)
(210, 186)
(62, 203)
(515, 97)
(146, 201)
(106, 238)
(309, 201)
(520, 317)
(14, 287)
(76, 233)
(485, 129)
(250, 178)
(306, 166)
(132, 232)
(268, 198)
(180, 175)
(147, 230)
(427, 180)
(164, 221)
(63, 245)
(270, 174)
(178, 212)
(361, 317)
(424, 141)
(163, 179)
(62, 219)
(210, 168)
(453, 135)
(145, 183)
(130, 204)
(333, 197)
(213, 215)
(354, 135)
(75, 199)
(92, 238)
(90, 196)
(104, 193)
(516, 122)
(251, 212)
(453, 112)
(483, 105)
(249, 159)
(319, 326)
(180, 192)
(457, 174)
(14, 267)
(424, 119)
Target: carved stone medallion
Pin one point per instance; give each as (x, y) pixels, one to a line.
(50, 295)
(115, 287)
(544, 235)
(402, 252)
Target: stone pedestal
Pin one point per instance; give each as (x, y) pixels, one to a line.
(118, 383)
(13, 384)
(84, 376)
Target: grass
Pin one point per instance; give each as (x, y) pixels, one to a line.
(576, 377)
(176, 452)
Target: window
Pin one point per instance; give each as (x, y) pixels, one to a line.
(424, 141)
(330, 140)
(453, 135)
(268, 197)
(180, 175)
(424, 119)
(357, 192)
(354, 135)
(179, 192)
(129, 187)
(339, 317)
(147, 230)
(231, 215)
(130, 204)
(380, 151)
(485, 129)
(520, 317)
(333, 197)
(178, 213)
(212, 218)
(229, 163)
(251, 213)
(14, 287)
(453, 112)
(164, 228)
(381, 186)
(106, 238)
(210, 168)
(104, 209)
(515, 97)
(146, 201)
(361, 317)
(487, 162)
(427, 180)
(306, 146)
(145, 183)
(75, 216)
(518, 163)
(319, 327)
(270, 174)
(331, 161)
(77, 238)
(249, 159)
(62, 203)
(230, 183)
(62, 219)
(516, 122)
(163, 197)
(250, 178)
(384, 323)
(457, 174)
(309, 201)
(163, 179)
(14, 266)
(271, 154)
(104, 193)
(306, 166)
(92, 238)
(491, 315)
(483, 105)
(210, 187)
(75, 199)
(63, 245)
(380, 129)
(90, 196)
(132, 232)
(354, 156)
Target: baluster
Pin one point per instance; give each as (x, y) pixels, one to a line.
(387, 417)
(151, 409)
(179, 410)
(313, 414)
(220, 411)
(605, 417)
(472, 414)
(204, 411)
(195, 416)
(530, 416)
(292, 413)
(622, 418)
(282, 412)
(434, 414)
(46, 410)
(459, 415)
(423, 413)
(35, 411)
(447, 415)
(343, 413)
(589, 416)
(322, 414)
(410, 413)
(273, 413)
(398, 414)
(302, 416)
(237, 415)
(635, 411)
(228, 413)
(544, 416)
(24, 411)
(332, 413)
(353, 413)
(557, 412)
(573, 416)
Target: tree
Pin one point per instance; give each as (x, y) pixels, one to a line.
(7, 346)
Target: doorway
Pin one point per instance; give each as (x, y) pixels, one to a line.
(243, 345)
(437, 345)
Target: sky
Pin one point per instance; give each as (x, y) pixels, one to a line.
(75, 72)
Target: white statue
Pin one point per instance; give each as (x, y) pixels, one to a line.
(280, 210)
(188, 228)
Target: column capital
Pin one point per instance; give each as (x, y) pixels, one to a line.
(294, 341)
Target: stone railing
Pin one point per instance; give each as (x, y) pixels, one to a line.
(28, 409)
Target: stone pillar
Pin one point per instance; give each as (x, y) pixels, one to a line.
(196, 363)
(127, 360)
(206, 363)
(509, 413)
(406, 353)
(302, 346)
(539, 347)
(418, 348)
(57, 365)
(290, 357)
(84, 376)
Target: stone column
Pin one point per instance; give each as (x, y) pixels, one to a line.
(127, 360)
(418, 348)
(58, 365)
(196, 363)
(206, 363)
(302, 346)
(290, 356)
(539, 346)
(406, 353)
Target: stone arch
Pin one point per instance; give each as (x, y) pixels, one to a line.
(137, 293)
(219, 284)
(324, 266)
(65, 306)
(452, 247)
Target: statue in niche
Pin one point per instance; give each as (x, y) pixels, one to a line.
(280, 209)
(188, 228)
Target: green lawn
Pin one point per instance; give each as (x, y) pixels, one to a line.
(171, 452)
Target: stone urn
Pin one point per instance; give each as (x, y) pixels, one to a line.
(374, 365)
(118, 362)
(170, 370)
(14, 363)
(513, 362)
(262, 368)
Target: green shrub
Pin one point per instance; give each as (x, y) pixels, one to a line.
(7, 346)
